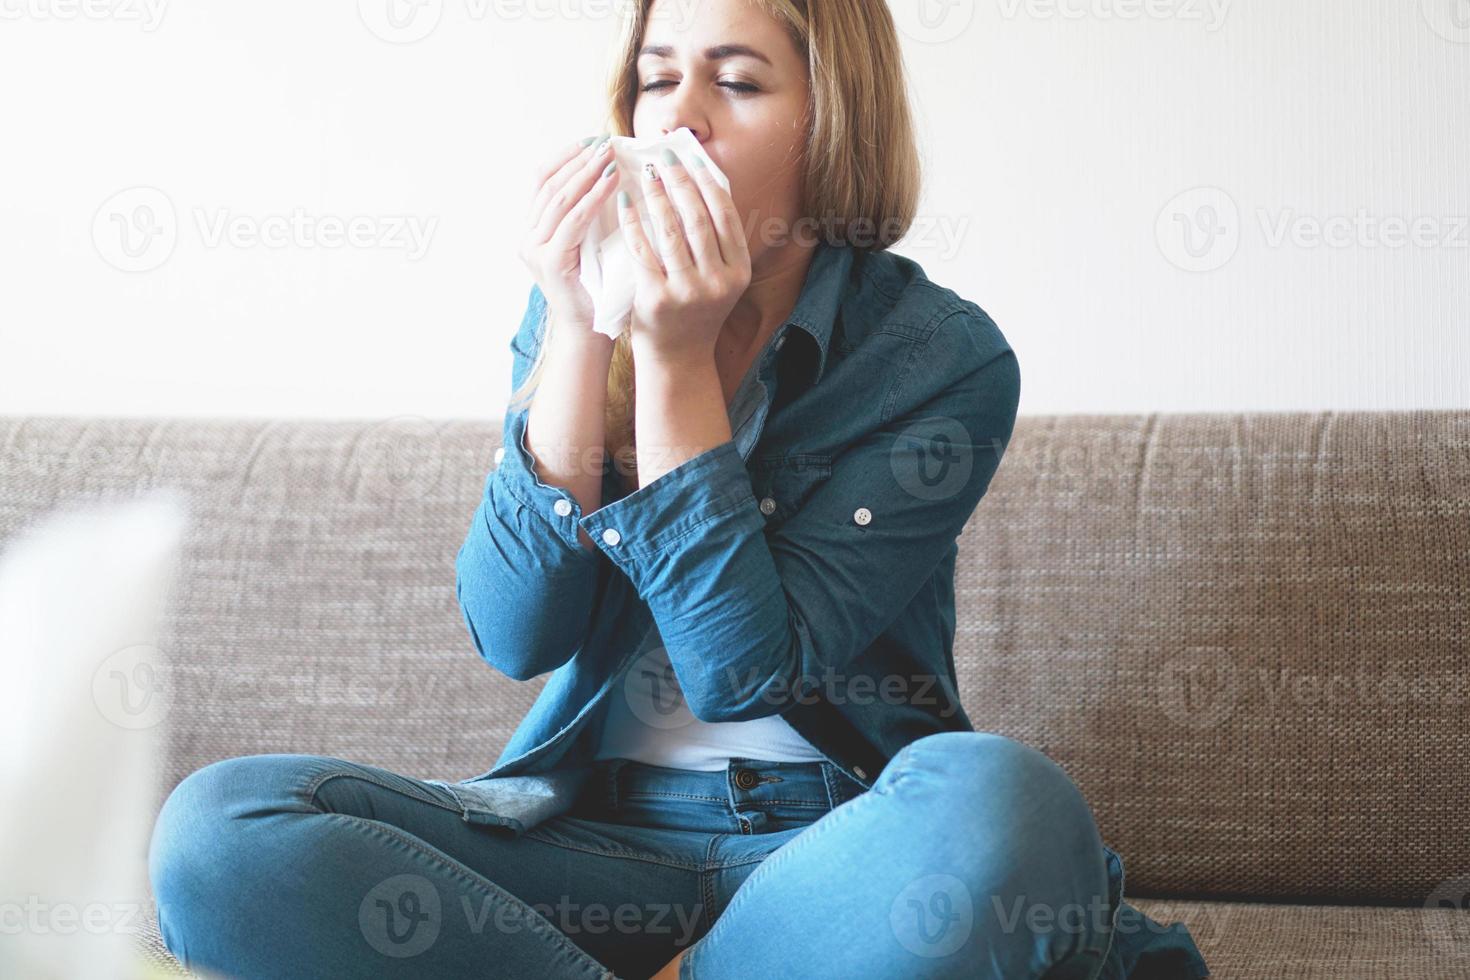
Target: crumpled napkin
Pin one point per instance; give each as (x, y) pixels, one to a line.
(607, 264)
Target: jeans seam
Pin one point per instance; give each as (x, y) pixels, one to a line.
(316, 784)
(831, 819)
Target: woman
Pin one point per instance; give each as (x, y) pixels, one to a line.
(750, 758)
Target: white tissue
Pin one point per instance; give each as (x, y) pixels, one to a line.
(607, 264)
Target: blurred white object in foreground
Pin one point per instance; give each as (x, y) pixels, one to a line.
(81, 704)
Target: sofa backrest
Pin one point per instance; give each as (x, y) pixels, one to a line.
(1244, 636)
(1247, 638)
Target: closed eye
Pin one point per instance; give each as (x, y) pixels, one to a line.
(744, 88)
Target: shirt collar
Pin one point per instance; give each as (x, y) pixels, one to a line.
(821, 297)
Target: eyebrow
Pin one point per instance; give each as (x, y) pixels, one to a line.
(716, 53)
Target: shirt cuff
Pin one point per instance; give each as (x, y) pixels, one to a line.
(697, 491)
(556, 506)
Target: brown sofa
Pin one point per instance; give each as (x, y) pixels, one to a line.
(1245, 636)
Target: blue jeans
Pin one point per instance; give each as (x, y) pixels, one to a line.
(973, 855)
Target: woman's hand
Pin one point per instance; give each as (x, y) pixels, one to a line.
(571, 187)
(688, 284)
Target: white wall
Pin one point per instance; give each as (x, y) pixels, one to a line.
(1069, 143)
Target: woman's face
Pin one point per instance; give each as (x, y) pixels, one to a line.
(733, 76)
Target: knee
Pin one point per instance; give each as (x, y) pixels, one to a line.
(199, 833)
(1014, 790)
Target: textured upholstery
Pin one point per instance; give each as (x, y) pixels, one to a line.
(1244, 636)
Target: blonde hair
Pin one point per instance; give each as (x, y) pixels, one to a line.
(860, 180)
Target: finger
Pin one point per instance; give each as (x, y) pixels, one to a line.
(582, 174)
(649, 269)
(573, 228)
(552, 165)
(668, 228)
(694, 216)
(729, 233)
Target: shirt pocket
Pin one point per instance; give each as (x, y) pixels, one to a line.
(783, 483)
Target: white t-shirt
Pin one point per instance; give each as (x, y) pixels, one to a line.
(647, 720)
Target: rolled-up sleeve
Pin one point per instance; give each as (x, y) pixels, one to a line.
(752, 621)
(525, 584)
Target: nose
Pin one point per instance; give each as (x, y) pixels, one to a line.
(698, 133)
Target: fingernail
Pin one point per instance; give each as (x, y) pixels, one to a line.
(699, 163)
(586, 141)
(609, 168)
(671, 159)
(651, 171)
(623, 199)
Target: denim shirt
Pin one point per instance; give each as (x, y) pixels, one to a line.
(804, 568)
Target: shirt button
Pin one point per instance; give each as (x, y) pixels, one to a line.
(768, 506)
(499, 455)
(611, 536)
(563, 506)
(859, 771)
(862, 515)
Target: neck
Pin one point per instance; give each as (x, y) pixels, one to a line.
(776, 278)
